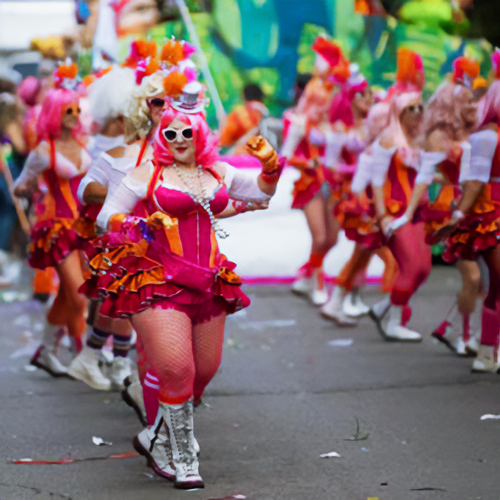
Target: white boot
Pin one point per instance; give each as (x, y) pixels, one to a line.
(486, 360)
(45, 356)
(154, 444)
(132, 395)
(85, 367)
(120, 370)
(310, 282)
(353, 305)
(179, 420)
(333, 309)
(378, 311)
(395, 331)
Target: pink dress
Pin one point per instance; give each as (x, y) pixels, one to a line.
(179, 268)
(53, 236)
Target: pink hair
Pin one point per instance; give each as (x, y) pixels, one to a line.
(394, 130)
(29, 90)
(341, 107)
(49, 121)
(489, 106)
(206, 150)
(445, 108)
(377, 119)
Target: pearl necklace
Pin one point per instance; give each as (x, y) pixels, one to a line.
(198, 192)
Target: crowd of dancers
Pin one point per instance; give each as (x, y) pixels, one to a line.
(126, 188)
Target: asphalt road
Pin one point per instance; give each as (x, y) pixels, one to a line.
(284, 396)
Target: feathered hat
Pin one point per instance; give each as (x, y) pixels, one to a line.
(410, 75)
(465, 71)
(66, 76)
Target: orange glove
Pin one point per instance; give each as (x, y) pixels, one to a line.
(259, 147)
(159, 220)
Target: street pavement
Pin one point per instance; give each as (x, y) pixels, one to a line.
(292, 387)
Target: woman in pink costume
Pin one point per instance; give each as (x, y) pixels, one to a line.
(304, 148)
(178, 288)
(345, 141)
(475, 224)
(60, 161)
(395, 161)
(450, 118)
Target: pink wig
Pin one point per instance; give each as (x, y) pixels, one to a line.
(29, 90)
(377, 119)
(489, 106)
(206, 150)
(341, 108)
(394, 130)
(49, 121)
(445, 108)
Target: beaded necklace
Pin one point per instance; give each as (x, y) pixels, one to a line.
(198, 192)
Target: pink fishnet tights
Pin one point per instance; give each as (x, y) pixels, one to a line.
(184, 357)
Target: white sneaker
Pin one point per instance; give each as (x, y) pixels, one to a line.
(353, 305)
(448, 334)
(85, 367)
(302, 286)
(119, 371)
(472, 345)
(378, 311)
(46, 360)
(486, 360)
(153, 443)
(395, 331)
(333, 309)
(319, 297)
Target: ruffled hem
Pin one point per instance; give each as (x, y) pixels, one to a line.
(475, 235)
(303, 196)
(127, 282)
(52, 241)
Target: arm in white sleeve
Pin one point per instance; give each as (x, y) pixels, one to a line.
(98, 172)
(363, 174)
(243, 187)
(483, 146)
(123, 200)
(295, 134)
(334, 143)
(38, 161)
(381, 160)
(428, 164)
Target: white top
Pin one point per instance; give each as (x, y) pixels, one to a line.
(483, 147)
(381, 161)
(130, 191)
(39, 160)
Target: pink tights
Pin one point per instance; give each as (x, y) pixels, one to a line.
(490, 321)
(413, 256)
(184, 357)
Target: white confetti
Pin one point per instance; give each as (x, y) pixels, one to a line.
(332, 454)
(489, 416)
(340, 342)
(100, 442)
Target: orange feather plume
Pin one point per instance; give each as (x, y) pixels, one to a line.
(67, 71)
(174, 83)
(172, 52)
(410, 68)
(465, 67)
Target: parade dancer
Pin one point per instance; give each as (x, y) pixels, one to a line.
(109, 99)
(60, 160)
(395, 161)
(474, 228)
(180, 292)
(304, 149)
(451, 116)
(344, 142)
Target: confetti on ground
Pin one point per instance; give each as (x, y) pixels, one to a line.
(489, 416)
(232, 497)
(340, 342)
(332, 454)
(427, 489)
(264, 324)
(64, 461)
(100, 441)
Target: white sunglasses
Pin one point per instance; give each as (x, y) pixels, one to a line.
(171, 134)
